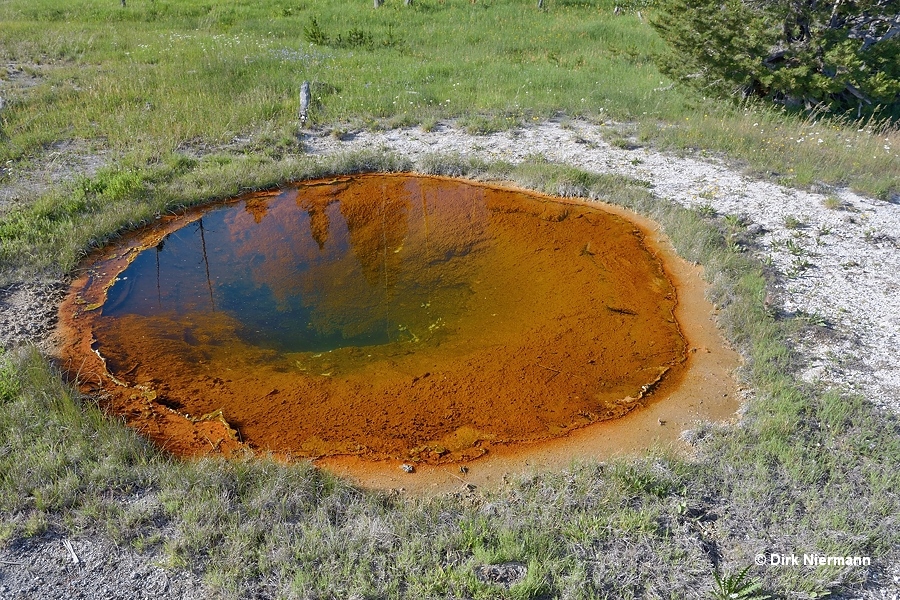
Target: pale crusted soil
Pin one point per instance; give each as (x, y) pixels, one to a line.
(28, 312)
(61, 163)
(839, 268)
(44, 568)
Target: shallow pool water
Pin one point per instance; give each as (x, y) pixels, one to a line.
(388, 316)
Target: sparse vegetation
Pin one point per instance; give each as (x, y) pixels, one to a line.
(706, 210)
(357, 37)
(832, 203)
(737, 587)
(793, 222)
(794, 247)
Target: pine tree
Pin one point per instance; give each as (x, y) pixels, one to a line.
(843, 55)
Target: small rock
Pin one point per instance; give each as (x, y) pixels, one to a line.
(756, 229)
(505, 574)
(407, 468)
(464, 470)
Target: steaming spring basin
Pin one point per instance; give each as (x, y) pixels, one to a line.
(385, 316)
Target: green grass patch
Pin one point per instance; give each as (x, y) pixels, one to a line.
(160, 75)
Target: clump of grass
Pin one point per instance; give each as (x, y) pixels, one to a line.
(793, 222)
(9, 383)
(706, 210)
(429, 124)
(484, 125)
(832, 203)
(735, 222)
(739, 586)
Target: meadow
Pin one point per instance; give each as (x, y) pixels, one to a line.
(189, 101)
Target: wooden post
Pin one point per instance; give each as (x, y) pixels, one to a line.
(304, 103)
(540, 4)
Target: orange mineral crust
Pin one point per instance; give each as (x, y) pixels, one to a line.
(387, 317)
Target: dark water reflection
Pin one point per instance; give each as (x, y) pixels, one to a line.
(328, 267)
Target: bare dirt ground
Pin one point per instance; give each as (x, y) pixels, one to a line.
(838, 269)
(93, 569)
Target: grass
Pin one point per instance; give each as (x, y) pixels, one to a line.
(160, 76)
(832, 203)
(169, 71)
(736, 587)
(167, 87)
(806, 471)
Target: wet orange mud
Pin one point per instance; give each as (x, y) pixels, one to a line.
(371, 320)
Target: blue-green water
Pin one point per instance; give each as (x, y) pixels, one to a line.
(307, 271)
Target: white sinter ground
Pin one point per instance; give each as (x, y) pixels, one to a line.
(838, 267)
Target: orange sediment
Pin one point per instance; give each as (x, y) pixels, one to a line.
(508, 319)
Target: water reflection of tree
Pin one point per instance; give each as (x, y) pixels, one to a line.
(315, 207)
(209, 286)
(258, 207)
(377, 225)
(159, 248)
